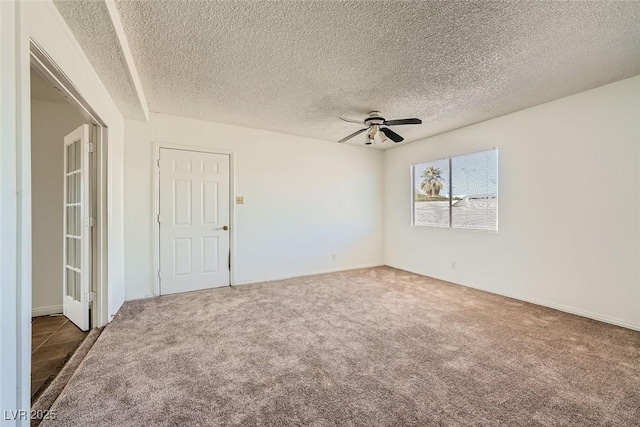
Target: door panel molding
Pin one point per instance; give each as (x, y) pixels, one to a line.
(157, 146)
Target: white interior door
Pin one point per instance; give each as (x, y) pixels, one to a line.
(77, 228)
(194, 220)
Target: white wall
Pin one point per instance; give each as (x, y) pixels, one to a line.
(569, 214)
(50, 123)
(40, 21)
(304, 200)
(13, 395)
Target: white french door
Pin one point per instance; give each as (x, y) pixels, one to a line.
(77, 228)
(194, 220)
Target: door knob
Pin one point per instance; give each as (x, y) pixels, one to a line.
(225, 228)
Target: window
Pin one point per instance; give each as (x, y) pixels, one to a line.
(457, 192)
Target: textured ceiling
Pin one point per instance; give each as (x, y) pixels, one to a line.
(91, 25)
(294, 67)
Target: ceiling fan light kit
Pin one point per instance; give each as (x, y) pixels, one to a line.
(374, 129)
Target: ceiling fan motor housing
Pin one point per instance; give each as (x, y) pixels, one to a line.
(374, 119)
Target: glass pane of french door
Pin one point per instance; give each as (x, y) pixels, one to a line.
(73, 223)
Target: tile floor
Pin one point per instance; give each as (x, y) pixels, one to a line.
(53, 340)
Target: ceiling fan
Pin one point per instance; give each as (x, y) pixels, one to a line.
(374, 127)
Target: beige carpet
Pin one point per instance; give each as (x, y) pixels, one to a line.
(372, 347)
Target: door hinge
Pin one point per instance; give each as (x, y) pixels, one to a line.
(158, 162)
(158, 218)
(229, 260)
(159, 275)
(90, 296)
(91, 146)
(92, 221)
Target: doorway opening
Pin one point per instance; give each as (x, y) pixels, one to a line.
(67, 218)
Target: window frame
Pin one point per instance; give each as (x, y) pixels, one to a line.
(449, 160)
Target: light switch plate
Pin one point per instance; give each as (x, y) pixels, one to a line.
(239, 200)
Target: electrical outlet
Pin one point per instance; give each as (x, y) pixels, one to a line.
(333, 257)
(453, 265)
(239, 200)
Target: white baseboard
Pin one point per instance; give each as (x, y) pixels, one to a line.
(579, 312)
(274, 279)
(137, 297)
(44, 311)
(544, 303)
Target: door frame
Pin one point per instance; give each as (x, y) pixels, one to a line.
(156, 205)
(49, 70)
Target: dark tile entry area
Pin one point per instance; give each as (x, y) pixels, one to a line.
(53, 340)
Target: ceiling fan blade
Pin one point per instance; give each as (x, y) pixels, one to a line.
(392, 135)
(360, 122)
(352, 135)
(403, 122)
